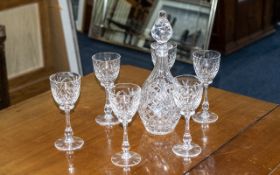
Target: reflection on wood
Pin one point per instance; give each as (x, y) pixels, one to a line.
(24, 44)
(157, 155)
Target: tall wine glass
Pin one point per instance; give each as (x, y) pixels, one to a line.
(206, 65)
(187, 96)
(125, 99)
(106, 66)
(65, 87)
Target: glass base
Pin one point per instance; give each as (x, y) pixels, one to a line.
(61, 145)
(101, 120)
(133, 160)
(183, 151)
(205, 117)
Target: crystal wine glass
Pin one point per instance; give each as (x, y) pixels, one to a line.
(187, 96)
(106, 66)
(65, 88)
(206, 65)
(125, 99)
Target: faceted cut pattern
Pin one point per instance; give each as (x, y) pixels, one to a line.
(65, 89)
(158, 110)
(162, 30)
(106, 71)
(206, 65)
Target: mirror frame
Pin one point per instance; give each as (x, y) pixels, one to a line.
(70, 36)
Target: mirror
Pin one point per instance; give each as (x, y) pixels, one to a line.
(128, 23)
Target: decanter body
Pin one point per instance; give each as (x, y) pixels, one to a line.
(157, 109)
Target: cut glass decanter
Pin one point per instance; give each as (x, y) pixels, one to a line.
(157, 109)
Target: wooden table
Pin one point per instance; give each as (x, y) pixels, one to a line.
(245, 139)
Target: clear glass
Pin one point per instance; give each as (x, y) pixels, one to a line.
(106, 66)
(65, 88)
(187, 97)
(125, 99)
(206, 65)
(157, 109)
(172, 51)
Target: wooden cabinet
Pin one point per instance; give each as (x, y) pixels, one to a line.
(35, 45)
(240, 22)
(276, 13)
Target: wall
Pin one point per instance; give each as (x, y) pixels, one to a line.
(35, 45)
(24, 39)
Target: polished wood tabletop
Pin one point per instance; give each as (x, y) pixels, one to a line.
(245, 139)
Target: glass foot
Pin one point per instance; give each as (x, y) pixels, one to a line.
(61, 145)
(101, 120)
(183, 151)
(118, 160)
(205, 117)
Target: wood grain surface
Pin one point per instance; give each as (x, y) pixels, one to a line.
(255, 151)
(29, 129)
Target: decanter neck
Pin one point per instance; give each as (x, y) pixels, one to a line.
(161, 53)
(162, 63)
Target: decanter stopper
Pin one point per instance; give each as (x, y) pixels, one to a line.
(162, 30)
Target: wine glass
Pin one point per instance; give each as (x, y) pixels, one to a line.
(187, 96)
(206, 65)
(125, 99)
(65, 88)
(106, 66)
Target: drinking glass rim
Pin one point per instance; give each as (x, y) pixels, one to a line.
(218, 54)
(118, 56)
(58, 82)
(190, 75)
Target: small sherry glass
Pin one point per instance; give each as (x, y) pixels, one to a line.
(65, 88)
(106, 66)
(206, 65)
(125, 99)
(187, 96)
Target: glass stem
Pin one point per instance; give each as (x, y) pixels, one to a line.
(205, 104)
(68, 133)
(107, 107)
(187, 138)
(125, 143)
